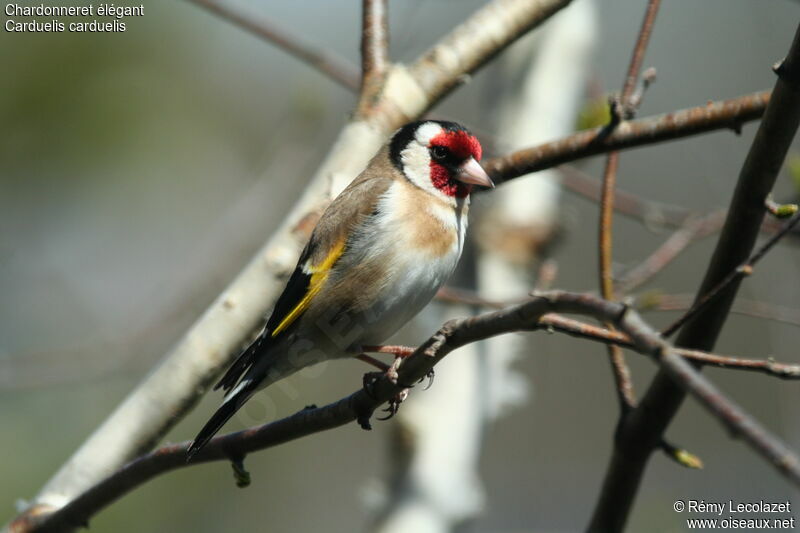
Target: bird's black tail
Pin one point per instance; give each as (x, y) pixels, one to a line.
(244, 361)
(232, 403)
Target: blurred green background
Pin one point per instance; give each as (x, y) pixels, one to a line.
(139, 171)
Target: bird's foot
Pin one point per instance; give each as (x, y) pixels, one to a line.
(394, 404)
(390, 372)
(430, 375)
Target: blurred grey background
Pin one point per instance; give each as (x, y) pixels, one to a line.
(140, 171)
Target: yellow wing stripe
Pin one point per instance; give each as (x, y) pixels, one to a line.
(319, 273)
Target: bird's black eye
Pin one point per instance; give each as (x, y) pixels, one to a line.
(440, 152)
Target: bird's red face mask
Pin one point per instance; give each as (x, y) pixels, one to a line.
(454, 164)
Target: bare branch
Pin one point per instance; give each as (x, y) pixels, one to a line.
(767, 366)
(643, 430)
(360, 404)
(336, 68)
(724, 114)
(621, 372)
(582, 330)
(632, 77)
(576, 328)
(619, 368)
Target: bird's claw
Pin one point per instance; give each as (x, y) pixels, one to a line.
(430, 375)
(394, 404)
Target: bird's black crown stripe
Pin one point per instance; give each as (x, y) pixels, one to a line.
(404, 135)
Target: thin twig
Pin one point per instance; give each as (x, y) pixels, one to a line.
(576, 328)
(637, 58)
(622, 374)
(604, 239)
(767, 366)
(745, 269)
(692, 231)
(360, 404)
(333, 66)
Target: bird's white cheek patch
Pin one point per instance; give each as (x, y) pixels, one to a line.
(417, 168)
(417, 165)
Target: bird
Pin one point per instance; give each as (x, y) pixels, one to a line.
(378, 254)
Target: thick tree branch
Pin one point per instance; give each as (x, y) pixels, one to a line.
(336, 68)
(644, 428)
(374, 53)
(472, 44)
(360, 404)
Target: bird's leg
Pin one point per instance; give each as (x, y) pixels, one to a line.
(398, 351)
(390, 371)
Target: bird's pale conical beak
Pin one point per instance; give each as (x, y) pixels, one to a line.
(472, 172)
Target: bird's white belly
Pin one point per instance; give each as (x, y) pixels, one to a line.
(409, 288)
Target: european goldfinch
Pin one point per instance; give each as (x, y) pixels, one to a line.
(376, 257)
